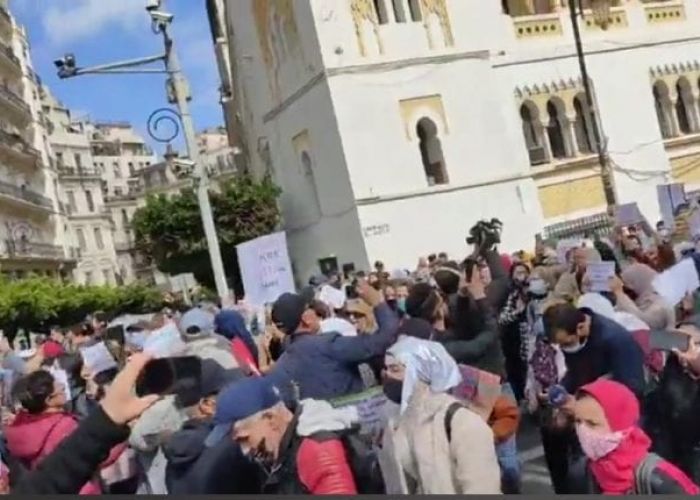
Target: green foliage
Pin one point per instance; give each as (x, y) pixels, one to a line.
(36, 302)
(169, 230)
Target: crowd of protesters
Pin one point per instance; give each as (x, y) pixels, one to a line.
(442, 364)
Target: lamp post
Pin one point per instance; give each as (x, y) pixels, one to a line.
(178, 93)
(601, 16)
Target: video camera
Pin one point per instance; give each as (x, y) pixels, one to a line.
(485, 234)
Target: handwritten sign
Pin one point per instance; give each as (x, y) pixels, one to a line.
(165, 342)
(265, 268)
(628, 215)
(599, 274)
(97, 358)
(60, 376)
(674, 284)
(564, 247)
(370, 406)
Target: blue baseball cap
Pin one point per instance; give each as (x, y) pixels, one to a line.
(196, 321)
(239, 401)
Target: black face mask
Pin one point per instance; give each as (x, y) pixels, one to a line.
(393, 304)
(393, 389)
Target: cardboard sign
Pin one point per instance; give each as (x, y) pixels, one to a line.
(599, 274)
(265, 269)
(97, 358)
(628, 215)
(370, 406)
(674, 284)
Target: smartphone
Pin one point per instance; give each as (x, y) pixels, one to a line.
(165, 376)
(668, 340)
(115, 333)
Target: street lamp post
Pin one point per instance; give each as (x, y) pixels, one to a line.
(601, 16)
(178, 94)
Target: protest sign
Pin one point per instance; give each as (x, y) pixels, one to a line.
(165, 342)
(670, 196)
(674, 284)
(563, 248)
(370, 406)
(265, 269)
(628, 214)
(599, 274)
(332, 297)
(97, 358)
(60, 376)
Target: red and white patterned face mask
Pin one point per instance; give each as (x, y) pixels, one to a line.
(596, 445)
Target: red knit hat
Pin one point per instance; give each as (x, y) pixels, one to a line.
(619, 403)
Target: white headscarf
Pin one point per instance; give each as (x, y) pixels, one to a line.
(425, 361)
(602, 306)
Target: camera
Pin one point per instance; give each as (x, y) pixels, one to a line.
(161, 17)
(152, 5)
(485, 233)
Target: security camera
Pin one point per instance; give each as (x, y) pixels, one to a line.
(66, 66)
(152, 5)
(161, 17)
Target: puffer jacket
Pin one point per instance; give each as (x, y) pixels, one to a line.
(416, 446)
(326, 366)
(310, 462)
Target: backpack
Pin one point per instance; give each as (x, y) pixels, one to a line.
(362, 458)
(449, 415)
(643, 474)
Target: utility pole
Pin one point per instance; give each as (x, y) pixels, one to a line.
(605, 170)
(178, 94)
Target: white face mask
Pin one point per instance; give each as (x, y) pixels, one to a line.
(573, 349)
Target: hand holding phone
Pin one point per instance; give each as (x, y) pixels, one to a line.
(670, 340)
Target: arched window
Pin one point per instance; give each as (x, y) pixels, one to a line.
(399, 11)
(380, 9)
(529, 126)
(661, 101)
(684, 106)
(307, 167)
(555, 131)
(431, 152)
(584, 126)
(414, 8)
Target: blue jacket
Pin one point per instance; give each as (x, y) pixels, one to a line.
(610, 351)
(326, 366)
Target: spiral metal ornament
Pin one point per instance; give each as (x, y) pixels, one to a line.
(164, 125)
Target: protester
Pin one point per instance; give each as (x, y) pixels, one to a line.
(308, 353)
(570, 284)
(647, 305)
(194, 468)
(231, 324)
(607, 415)
(197, 328)
(290, 449)
(441, 445)
(514, 329)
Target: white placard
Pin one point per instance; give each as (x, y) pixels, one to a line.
(599, 274)
(332, 297)
(265, 269)
(563, 247)
(673, 285)
(166, 342)
(370, 406)
(60, 376)
(98, 358)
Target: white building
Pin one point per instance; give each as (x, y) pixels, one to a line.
(394, 125)
(88, 225)
(31, 233)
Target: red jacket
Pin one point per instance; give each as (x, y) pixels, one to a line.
(323, 468)
(30, 438)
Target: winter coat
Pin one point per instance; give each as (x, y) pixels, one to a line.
(417, 457)
(30, 438)
(649, 306)
(312, 460)
(195, 469)
(325, 366)
(611, 351)
(211, 346)
(74, 461)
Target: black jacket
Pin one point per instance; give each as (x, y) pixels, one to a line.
(195, 469)
(75, 461)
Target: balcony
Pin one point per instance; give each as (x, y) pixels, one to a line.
(25, 197)
(77, 173)
(16, 109)
(548, 25)
(124, 246)
(14, 150)
(30, 250)
(9, 62)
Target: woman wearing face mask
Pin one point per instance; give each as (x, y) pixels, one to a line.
(617, 449)
(435, 445)
(648, 305)
(514, 329)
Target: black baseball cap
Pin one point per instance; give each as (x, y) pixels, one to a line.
(287, 312)
(215, 378)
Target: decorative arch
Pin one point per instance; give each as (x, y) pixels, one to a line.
(556, 128)
(685, 107)
(662, 105)
(584, 125)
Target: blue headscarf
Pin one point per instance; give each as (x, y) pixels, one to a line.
(231, 325)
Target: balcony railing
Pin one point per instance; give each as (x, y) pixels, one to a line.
(31, 249)
(25, 194)
(18, 144)
(64, 171)
(9, 54)
(9, 96)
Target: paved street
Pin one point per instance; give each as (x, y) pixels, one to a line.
(535, 475)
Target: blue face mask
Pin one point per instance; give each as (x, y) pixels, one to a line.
(401, 304)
